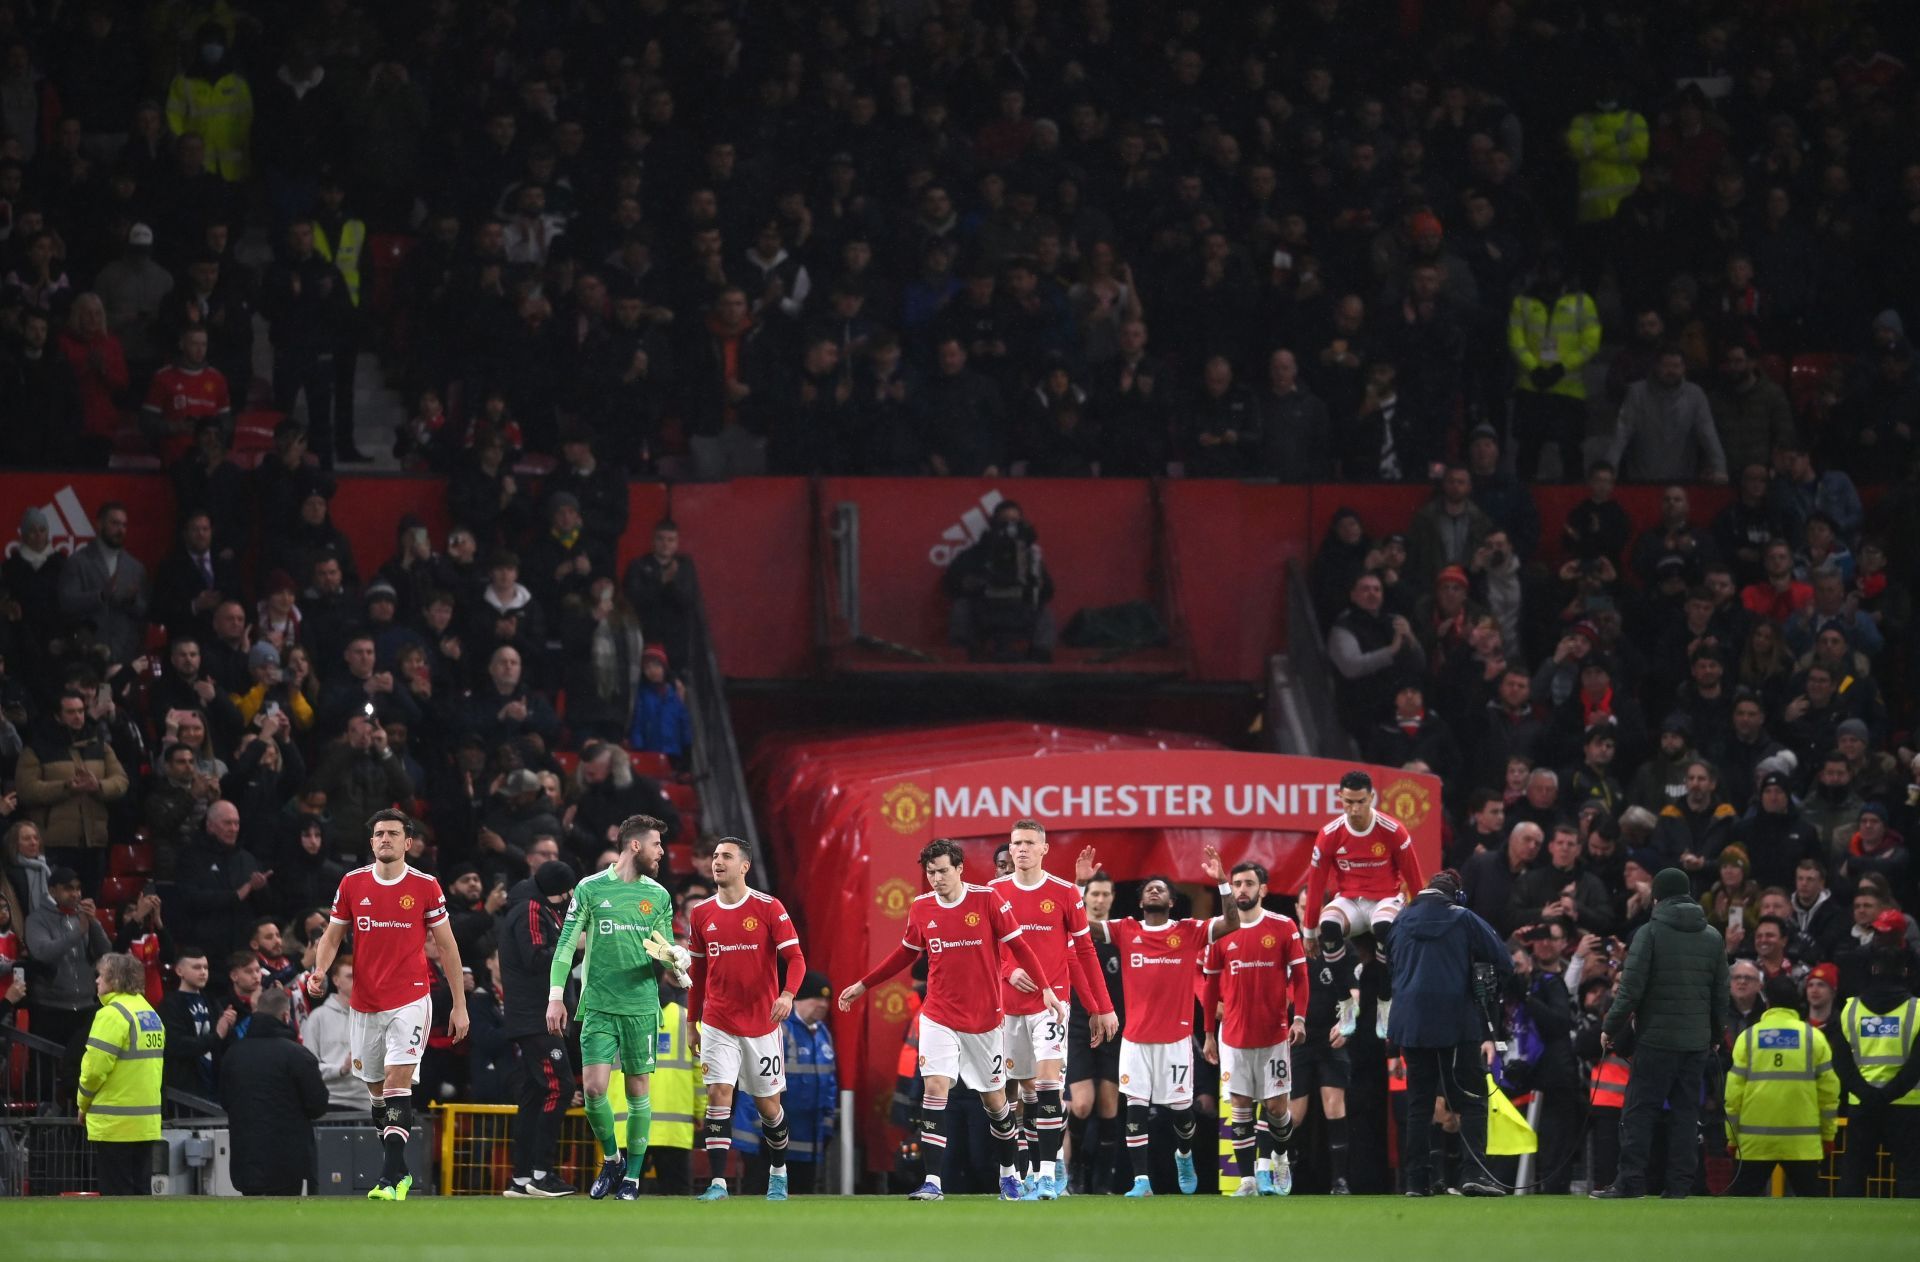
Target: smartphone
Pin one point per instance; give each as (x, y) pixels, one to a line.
(1737, 918)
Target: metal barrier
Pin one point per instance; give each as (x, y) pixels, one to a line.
(724, 805)
(476, 1147)
(1302, 714)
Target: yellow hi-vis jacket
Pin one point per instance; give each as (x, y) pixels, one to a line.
(121, 1075)
(220, 113)
(1881, 1042)
(676, 1075)
(1569, 335)
(1783, 1098)
(1609, 148)
(344, 254)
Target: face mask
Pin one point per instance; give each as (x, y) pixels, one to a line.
(212, 52)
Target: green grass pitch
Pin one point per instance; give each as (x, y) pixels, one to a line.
(971, 1228)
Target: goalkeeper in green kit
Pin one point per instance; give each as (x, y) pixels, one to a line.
(627, 918)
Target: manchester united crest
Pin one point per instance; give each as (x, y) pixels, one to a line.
(1046, 906)
(1377, 850)
(906, 808)
(406, 902)
(1269, 941)
(973, 919)
(894, 896)
(893, 1003)
(1173, 941)
(646, 907)
(1408, 801)
(750, 923)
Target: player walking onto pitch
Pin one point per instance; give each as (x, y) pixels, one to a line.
(1374, 853)
(394, 909)
(737, 1001)
(965, 931)
(1054, 918)
(1159, 957)
(627, 919)
(1256, 973)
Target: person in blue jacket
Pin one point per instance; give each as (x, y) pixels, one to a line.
(812, 1099)
(661, 723)
(1441, 1029)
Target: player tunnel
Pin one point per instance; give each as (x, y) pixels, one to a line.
(847, 816)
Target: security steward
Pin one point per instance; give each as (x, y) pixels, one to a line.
(676, 1092)
(541, 1076)
(813, 1082)
(121, 1078)
(1444, 1035)
(1873, 1052)
(1783, 1098)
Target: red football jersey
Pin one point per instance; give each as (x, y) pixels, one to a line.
(1160, 965)
(964, 942)
(1372, 864)
(1053, 918)
(185, 394)
(1262, 969)
(740, 946)
(390, 920)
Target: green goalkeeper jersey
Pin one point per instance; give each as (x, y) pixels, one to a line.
(618, 976)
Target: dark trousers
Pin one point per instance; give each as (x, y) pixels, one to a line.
(542, 1083)
(124, 1169)
(295, 371)
(346, 365)
(1756, 1178)
(1539, 419)
(1670, 1080)
(1562, 1109)
(1457, 1073)
(1895, 1128)
(1603, 1147)
(672, 1170)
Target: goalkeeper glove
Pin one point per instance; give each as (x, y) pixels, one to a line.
(663, 949)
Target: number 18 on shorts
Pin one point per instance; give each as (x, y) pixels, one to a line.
(1258, 1073)
(752, 1063)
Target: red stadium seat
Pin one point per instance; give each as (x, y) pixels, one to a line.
(386, 252)
(566, 760)
(130, 859)
(109, 919)
(648, 763)
(683, 796)
(117, 891)
(1809, 373)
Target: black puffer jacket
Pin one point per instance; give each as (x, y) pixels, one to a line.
(1674, 986)
(529, 930)
(272, 1089)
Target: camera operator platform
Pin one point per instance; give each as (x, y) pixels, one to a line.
(1001, 590)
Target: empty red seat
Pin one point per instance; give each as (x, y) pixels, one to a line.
(109, 919)
(117, 891)
(683, 796)
(648, 763)
(130, 859)
(567, 760)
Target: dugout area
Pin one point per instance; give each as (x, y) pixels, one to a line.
(846, 816)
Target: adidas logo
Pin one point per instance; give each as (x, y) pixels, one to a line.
(366, 902)
(712, 927)
(605, 903)
(68, 526)
(933, 924)
(958, 537)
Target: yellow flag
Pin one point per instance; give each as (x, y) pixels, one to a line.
(1508, 1134)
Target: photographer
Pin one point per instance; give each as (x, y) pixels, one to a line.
(1669, 1014)
(1447, 1041)
(1000, 590)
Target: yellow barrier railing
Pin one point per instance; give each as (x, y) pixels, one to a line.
(476, 1148)
(1879, 1183)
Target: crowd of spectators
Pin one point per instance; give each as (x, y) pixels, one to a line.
(1338, 240)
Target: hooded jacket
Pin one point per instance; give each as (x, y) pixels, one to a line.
(272, 1088)
(529, 931)
(1436, 944)
(1673, 988)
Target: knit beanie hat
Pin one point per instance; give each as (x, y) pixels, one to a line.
(1670, 883)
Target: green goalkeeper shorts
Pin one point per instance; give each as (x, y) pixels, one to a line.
(612, 1038)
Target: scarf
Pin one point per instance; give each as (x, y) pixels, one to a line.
(567, 540)
(1590, 708)
(37, 559)
(37, 871)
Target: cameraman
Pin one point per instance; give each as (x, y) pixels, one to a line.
(1442, 1026)
(1001, 588)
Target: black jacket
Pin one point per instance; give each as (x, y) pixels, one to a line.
(1674, 985)
(272, 1089)
(208, 914)
(529, 929)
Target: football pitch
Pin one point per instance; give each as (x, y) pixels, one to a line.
(972, 1228)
